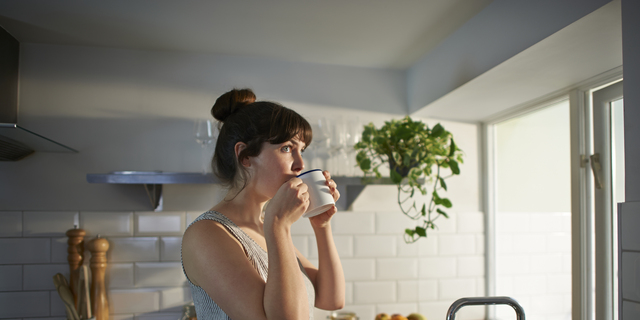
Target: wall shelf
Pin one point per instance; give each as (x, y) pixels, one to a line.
(152, 181)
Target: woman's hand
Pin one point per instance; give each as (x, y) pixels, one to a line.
(289, 203)
(323, 219)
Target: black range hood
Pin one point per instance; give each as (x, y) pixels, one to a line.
(17, 142)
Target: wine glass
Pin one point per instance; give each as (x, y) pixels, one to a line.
(320, 144)
(354, 135)
(206, 133)
(338, 144)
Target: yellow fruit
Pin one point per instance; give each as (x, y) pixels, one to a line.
(416, 316)
(383, 316)
(398, 317)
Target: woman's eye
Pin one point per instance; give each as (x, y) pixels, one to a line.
(286, 148)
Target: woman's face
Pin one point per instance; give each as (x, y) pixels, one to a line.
(276, 164)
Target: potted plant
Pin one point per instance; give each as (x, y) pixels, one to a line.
(418, 157)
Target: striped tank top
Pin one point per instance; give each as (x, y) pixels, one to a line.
(206, 308)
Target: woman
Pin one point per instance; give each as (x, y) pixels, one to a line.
(239, 257)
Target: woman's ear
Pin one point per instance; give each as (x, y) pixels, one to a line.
(238, 148)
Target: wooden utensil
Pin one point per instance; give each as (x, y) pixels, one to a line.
(77, 289)
(84, 299)
(65, 294)
(58, 282)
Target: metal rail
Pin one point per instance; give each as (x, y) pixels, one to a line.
(456, 305)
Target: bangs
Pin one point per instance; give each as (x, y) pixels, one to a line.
(287, 124)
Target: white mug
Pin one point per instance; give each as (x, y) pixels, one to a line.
(320, 198)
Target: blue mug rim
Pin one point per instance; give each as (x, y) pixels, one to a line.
(312, 170)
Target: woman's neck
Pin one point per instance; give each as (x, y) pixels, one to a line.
(243, 208)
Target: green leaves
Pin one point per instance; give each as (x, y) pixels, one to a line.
(443, 213)
(418, 157)
(454, 167)
(404, 133)
(363, 161)
(437, 130)
(452, 148)
(442, 184)
(395, 177)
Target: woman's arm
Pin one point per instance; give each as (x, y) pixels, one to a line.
(330, 284)
(215, 261)
(328, 278)
(285, 294)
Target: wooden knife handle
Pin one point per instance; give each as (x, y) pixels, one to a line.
(75, 257)
(99, 304)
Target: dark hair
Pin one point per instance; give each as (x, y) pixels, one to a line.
(245, 120)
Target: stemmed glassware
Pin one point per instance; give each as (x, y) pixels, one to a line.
(338, 145)
(206, 133)
(354, 135)
(333, 140)
(319, 148)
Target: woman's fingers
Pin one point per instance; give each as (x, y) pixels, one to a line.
(336, 195)
(291, 200)
(333, 186)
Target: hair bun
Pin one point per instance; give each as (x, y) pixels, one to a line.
(230, 102)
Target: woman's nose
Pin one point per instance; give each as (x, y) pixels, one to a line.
(298, 163)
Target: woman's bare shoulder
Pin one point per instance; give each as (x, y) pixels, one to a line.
(203, 233)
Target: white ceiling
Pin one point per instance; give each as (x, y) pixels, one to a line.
(364, 33)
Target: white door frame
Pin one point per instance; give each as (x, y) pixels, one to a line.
(585, 301)
(604, 219)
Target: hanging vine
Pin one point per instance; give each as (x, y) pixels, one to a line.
(416, 156)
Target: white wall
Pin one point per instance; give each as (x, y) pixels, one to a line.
(501, 30)
(132, 110)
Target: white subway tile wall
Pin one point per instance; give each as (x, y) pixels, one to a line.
(374, 292)
(120, 275)
(57, 306)
(11, 224)
(145, 279)
(25, 250)
(170, 248)
(11, 278)
(159, 223)
(533, 263)
(47, 224)
(134, 249)
(107, 224)
(134, 300)
(59, 248)
(40, 276)
(24, 304)
(159, 274)
(174, 298)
